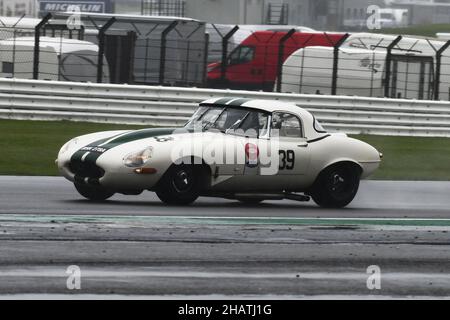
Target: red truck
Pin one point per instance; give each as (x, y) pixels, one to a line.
(253, 64)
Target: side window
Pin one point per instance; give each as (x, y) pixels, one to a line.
(254, 125)
(230, 118)
(241, 54)
(287, 125)
(318, 127)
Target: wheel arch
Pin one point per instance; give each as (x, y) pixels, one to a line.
(343, 161)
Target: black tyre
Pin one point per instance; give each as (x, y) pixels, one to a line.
(93, 193)
(250, 201)
(180, 185)
(336, 186)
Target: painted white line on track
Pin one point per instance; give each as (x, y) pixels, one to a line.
(212, 297)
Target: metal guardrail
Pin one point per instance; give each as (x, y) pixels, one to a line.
(170, 106)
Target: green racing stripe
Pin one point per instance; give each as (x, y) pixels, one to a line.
(79, 154)
(239, 102)
(95, 149)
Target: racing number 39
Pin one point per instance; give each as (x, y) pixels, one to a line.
(287, 159)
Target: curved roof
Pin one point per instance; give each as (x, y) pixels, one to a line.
(130, 17)
(59, 45)
(269, 106)
(18, 22)
(380, 41)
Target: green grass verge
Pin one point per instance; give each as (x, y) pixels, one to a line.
(31, 147)
(426, 30)
(411, 158)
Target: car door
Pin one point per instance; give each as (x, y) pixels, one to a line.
(241, 149)
(240, 70)
(273, 160)
(293, 150)
(277, 160)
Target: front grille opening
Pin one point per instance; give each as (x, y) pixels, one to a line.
(86, 169)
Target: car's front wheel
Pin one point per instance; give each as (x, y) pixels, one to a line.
(94, 193)
(336, 186)
(180, 185)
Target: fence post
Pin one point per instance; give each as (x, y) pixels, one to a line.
(336, 47)
(198, 78)
(37, 37)
(223, 65)
(101, 48)
(14, 53)
(162, 54)
(388, 65)
(437, 82)
(281, 55)
(205, 59)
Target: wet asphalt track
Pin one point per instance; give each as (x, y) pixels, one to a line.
(388, 199)
(221, 248)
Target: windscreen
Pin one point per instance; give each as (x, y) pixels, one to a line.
(229, 120)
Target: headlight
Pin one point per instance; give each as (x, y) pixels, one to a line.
(69, 145)
(137, 159)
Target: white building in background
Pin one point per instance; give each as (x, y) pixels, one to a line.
(424, 11)
(15, 8)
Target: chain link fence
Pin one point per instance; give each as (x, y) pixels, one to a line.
(188, 53)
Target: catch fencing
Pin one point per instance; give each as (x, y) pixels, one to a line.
(182, 52)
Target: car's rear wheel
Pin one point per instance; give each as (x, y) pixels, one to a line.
(180, 185)
(336, 186)
(93, 193)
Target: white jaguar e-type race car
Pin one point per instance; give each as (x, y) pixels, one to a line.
(249, 150)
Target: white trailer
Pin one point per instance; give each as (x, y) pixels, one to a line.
(444, 36)
(362, 68)
(134, 46)
(11, 27)
(59, 59)
(308, 70)
(393, 17)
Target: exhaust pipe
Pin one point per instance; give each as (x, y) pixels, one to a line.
(297, 197)
(273, 196)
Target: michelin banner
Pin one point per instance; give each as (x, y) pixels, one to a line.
(98, 6)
